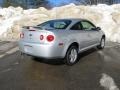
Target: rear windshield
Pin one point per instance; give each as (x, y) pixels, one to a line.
(55, 24)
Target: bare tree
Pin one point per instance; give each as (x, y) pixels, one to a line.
(101, 1)
(37, 3)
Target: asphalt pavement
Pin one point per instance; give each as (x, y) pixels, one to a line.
(95, 70)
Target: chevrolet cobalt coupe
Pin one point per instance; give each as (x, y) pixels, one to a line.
(61, 38)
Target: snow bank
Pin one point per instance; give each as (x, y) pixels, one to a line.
(104, 16)
(8, 16)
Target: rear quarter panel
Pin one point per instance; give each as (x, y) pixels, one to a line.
(67, 37)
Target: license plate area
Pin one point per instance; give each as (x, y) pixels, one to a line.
(28, 48)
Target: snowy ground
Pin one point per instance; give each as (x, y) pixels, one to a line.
(104, 16)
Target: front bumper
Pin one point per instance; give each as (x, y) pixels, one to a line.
(48, 51)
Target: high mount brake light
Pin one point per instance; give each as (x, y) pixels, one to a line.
(31, 30)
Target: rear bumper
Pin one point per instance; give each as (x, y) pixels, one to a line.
(41, 50)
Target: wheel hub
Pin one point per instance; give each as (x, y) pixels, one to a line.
(73, 55)
(102, 43)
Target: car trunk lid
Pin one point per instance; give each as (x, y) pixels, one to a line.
(34, 35)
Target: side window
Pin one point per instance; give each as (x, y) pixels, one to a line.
(76, 26)
(87, 25)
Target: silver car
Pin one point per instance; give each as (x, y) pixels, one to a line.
(61, 38)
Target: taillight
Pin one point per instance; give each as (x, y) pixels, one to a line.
(21, 35)
(41, 37)
(50, 38)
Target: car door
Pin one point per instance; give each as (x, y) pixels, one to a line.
(91, 31)
(80, 35)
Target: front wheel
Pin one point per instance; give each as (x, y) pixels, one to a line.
(71, 55)
(102, 43)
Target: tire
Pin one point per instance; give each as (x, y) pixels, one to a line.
(102, 44)
(71, 56)
(34, 58)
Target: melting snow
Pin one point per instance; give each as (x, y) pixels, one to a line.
(108, 83)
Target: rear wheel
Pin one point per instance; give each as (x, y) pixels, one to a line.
(71, 55)
(102, 43)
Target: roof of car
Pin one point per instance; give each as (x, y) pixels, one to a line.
(73, 19)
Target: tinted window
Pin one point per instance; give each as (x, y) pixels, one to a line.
(55, 24)
(77, 26)
(87, 25)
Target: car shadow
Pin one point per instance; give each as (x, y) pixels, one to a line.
(86, 53)
(49, 61)
(61, 61)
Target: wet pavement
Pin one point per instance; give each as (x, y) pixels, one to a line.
(6, 46)
(25, 73)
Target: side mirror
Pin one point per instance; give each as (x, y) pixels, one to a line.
(98, 28)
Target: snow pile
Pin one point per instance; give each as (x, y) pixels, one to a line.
(104, 16)
(8, 16)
